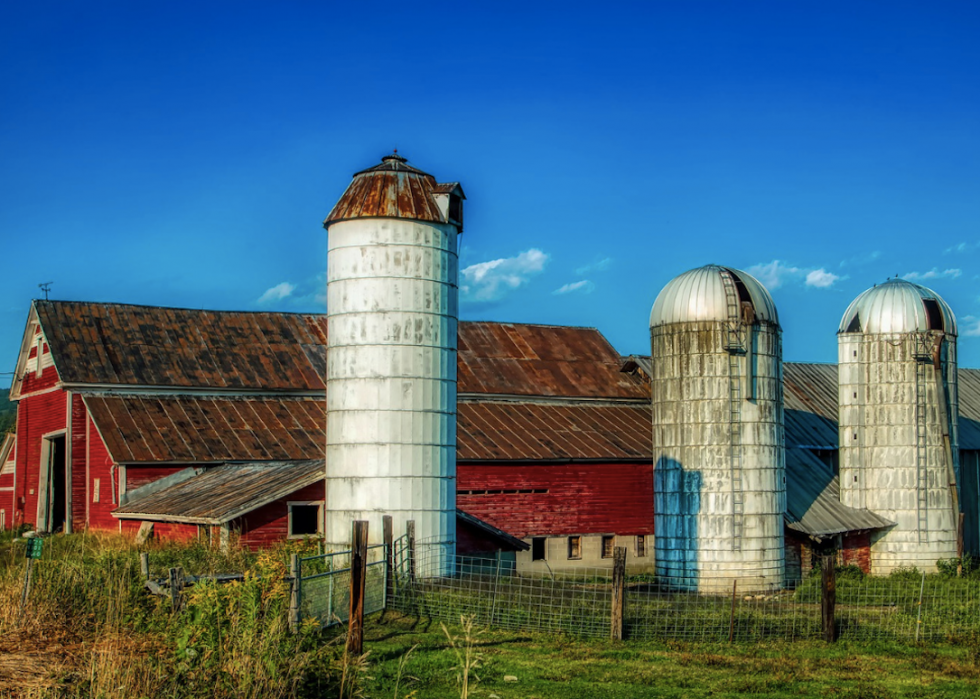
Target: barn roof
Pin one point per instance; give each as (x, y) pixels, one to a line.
(149, 346)
(519, 359)
(526, 431)
(208, 429)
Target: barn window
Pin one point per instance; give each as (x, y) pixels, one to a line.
(934, 317)
(608, 546)
(304, 518)
(574, 547)
(641, 546)
(537, 548)
(95, 489)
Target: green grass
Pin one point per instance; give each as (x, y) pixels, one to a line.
(548, 666)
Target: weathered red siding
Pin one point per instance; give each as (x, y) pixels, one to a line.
(48, 379)
(79, 474)
(138, 476)
(578, 498)
(168, 531)
(36, 416)
(269, 524)
(856, 550)
(100, 466)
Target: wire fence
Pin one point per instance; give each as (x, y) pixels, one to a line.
(907, 607)
(325, 583)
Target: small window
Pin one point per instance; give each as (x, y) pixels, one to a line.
(641, 546)
(574, 547)
(608, 545)
(854, 326)
(38, 369)
(537, 548)
(304, 518)
(95, 489)
(3, 520)
(934, 317)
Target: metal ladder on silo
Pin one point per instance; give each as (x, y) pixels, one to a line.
(923, 357)
(735, 348)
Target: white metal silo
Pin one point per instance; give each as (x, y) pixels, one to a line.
(899, 454)
(392, 314)
(719, 483)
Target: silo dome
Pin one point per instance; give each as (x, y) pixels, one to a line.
(717, 410)
(898, 306)
(700, 294)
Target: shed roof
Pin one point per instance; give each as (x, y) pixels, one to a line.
(222, 493)
(813, 504)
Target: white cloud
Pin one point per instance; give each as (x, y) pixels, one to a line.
(277, 293)
(774, 274)
(961, 247)
(821, 278)
(970, 326)
(494, 279)
(933, 273)
(777, 273)
(585, 286)
(600, 266)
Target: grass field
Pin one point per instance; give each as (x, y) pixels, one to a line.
(91, 631)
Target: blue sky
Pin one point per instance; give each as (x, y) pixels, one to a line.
(186, 154)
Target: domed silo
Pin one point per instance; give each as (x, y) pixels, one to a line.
(392, 314)
(719, 483)
(899, 454)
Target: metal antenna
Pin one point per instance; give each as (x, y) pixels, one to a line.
(45, 287)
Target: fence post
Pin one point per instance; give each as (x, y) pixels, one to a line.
(618, 593)
(145, 565)
(828, 600)
(358, 573)
(294, 592)
(176, 587)
(389, 537)
(410, 535)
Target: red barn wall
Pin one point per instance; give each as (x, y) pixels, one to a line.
(560, 499)
(100, 466)
(32, 383)
(37, 415)
(168, 531)
(269, 524)
(856, 550)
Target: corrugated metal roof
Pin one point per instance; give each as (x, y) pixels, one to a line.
(969, 398)
(542, 360)
(504, 431)
(894, 307)
(392, 189)
(810, 405)
(199, 429)
(699, 294)
(110, 343)
(222, 493)
(813, 503)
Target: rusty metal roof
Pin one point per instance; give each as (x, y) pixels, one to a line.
(542, 360)
(110, 343)
(518, 431)
(392, 189)
(969, 396)
(222, 493)
(813, 504)
(202, 429)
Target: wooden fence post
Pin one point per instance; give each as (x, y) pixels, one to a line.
(389, 538)
(410, 535)
(358, 573)
(176, 588)
(618, 593)
(294, 592)
(828, 600)
(145, 565)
